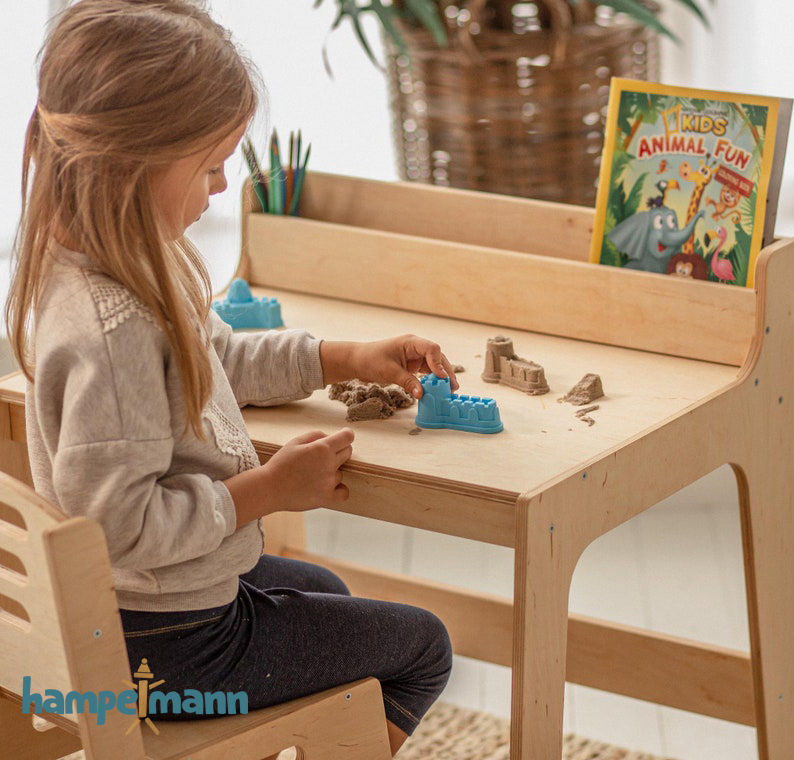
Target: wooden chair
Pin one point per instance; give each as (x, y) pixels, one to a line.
(60, 625)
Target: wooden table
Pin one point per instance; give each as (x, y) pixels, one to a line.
(696, 375)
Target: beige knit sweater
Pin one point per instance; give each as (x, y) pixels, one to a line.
(105, 422)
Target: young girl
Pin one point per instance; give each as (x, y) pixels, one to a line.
(135, 385)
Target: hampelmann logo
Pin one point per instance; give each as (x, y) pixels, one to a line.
(141, 701)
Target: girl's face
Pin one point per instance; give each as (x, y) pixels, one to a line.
(182, 189)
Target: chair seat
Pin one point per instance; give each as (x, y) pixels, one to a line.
(337, 714)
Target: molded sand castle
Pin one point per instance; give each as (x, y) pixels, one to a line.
(439, 408)
(241, 309)
(503, 366)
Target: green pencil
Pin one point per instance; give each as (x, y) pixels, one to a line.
(299, 175)
(276, 176)
(256, 173)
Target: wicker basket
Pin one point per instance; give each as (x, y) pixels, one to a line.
(516, 103)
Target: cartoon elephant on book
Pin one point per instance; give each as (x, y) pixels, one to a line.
(650, 238)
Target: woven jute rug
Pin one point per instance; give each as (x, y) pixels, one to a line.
(455, 733)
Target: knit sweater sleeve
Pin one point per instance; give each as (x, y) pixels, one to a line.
(150, 519)
(267, 368)
(103, 397)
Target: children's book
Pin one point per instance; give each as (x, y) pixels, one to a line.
(689, 180)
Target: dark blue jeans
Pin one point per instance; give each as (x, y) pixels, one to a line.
(295, 630)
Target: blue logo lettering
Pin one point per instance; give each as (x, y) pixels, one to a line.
(139, 701)
(75, 702)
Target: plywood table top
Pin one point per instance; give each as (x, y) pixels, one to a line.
(542, 439)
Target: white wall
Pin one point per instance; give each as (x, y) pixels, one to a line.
(23, 25)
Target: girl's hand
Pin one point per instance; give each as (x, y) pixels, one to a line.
(305, 471)
(394, 360)
(303, 474)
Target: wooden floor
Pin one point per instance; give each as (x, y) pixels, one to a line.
(676, 568)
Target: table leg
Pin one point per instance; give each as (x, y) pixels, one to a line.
(545, 558)
(766, 496)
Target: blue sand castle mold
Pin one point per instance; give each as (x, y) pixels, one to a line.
(439, 408)
(241, 309)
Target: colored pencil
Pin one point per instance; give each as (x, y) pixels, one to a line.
(290, 171)
(295, 205)
(278, 191)
(256, 173)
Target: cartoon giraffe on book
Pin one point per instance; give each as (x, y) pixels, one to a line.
(701, 177)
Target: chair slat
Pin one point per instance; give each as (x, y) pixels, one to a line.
(13, 585)
(13, 540)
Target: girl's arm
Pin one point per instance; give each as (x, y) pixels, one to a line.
(267, 368)
(394, 360)
(278, 366)
(151, 518)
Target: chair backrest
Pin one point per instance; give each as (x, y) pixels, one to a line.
(59, 619)
(60, 626)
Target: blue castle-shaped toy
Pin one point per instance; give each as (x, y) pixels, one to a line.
(439, 408)
(241, 309)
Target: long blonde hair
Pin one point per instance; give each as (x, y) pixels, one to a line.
(126, 86)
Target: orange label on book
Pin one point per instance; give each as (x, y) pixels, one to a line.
(741, 184)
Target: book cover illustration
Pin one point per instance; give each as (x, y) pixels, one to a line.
(684, 181)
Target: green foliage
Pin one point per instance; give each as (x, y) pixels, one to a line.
(637, 105)
(743, 241)
(756, 115)
(632, 205)
(738, 254)
(646, 16)
(609, 254)
(422, 12)
(627, 205)
(428, 14)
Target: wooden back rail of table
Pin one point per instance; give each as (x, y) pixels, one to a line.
(696, 375)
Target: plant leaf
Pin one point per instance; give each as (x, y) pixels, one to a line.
(423, 11)
(426, 12)
(639, 12)
(362, 38)
(632, 203)
(386, 15)
(696, 9)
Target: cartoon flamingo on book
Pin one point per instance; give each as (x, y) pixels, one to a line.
(722, 268)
